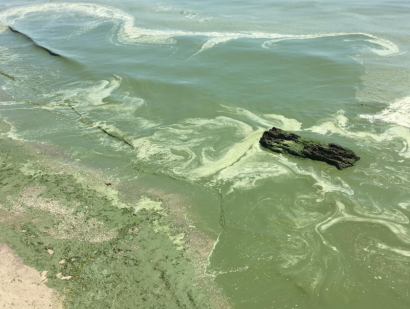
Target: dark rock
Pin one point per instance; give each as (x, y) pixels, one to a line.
(281, 141)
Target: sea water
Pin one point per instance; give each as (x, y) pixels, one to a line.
(174, 95)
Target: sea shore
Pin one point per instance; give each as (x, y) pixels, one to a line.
(81, 246)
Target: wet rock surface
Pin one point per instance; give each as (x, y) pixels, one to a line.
(281, 141)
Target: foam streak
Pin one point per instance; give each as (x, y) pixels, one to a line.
(131, 34)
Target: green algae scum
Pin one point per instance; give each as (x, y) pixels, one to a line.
(133, 173)
(103, 256)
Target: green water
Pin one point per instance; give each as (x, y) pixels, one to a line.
(174, 96)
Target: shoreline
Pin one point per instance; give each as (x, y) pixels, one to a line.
(24, 287)
(98, 251)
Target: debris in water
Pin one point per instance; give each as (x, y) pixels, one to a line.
(281, 141)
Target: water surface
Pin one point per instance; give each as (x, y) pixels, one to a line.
(175, 95)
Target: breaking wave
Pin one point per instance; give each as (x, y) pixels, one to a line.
(397, 113)
(129, 33)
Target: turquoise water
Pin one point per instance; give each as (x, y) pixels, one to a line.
(173, 97)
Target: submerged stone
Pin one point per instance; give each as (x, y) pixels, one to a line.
(281, 141)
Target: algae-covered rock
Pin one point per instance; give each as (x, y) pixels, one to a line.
(281, 141)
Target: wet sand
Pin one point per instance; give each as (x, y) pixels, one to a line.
(23, 287)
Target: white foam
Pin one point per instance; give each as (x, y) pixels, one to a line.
(254, 166)
(285, 123)
(389, 48)
(372, 210)
(206, 272)
(7, 56)
(397, 113)
(12, 133)
(129, 33)
(102, 90)
(398, 251)
(212, 42)
(10, 103)
(163, 8)
(267, 120)
(404, 206)
(86, 93)
(400, 133)
(89, 95)
(189, 14)
(338, 125)
(324, 182)
(3, 27)
(180, 148)
(341, 215)
(211, 166)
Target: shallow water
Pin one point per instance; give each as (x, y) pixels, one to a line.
(175, 95)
